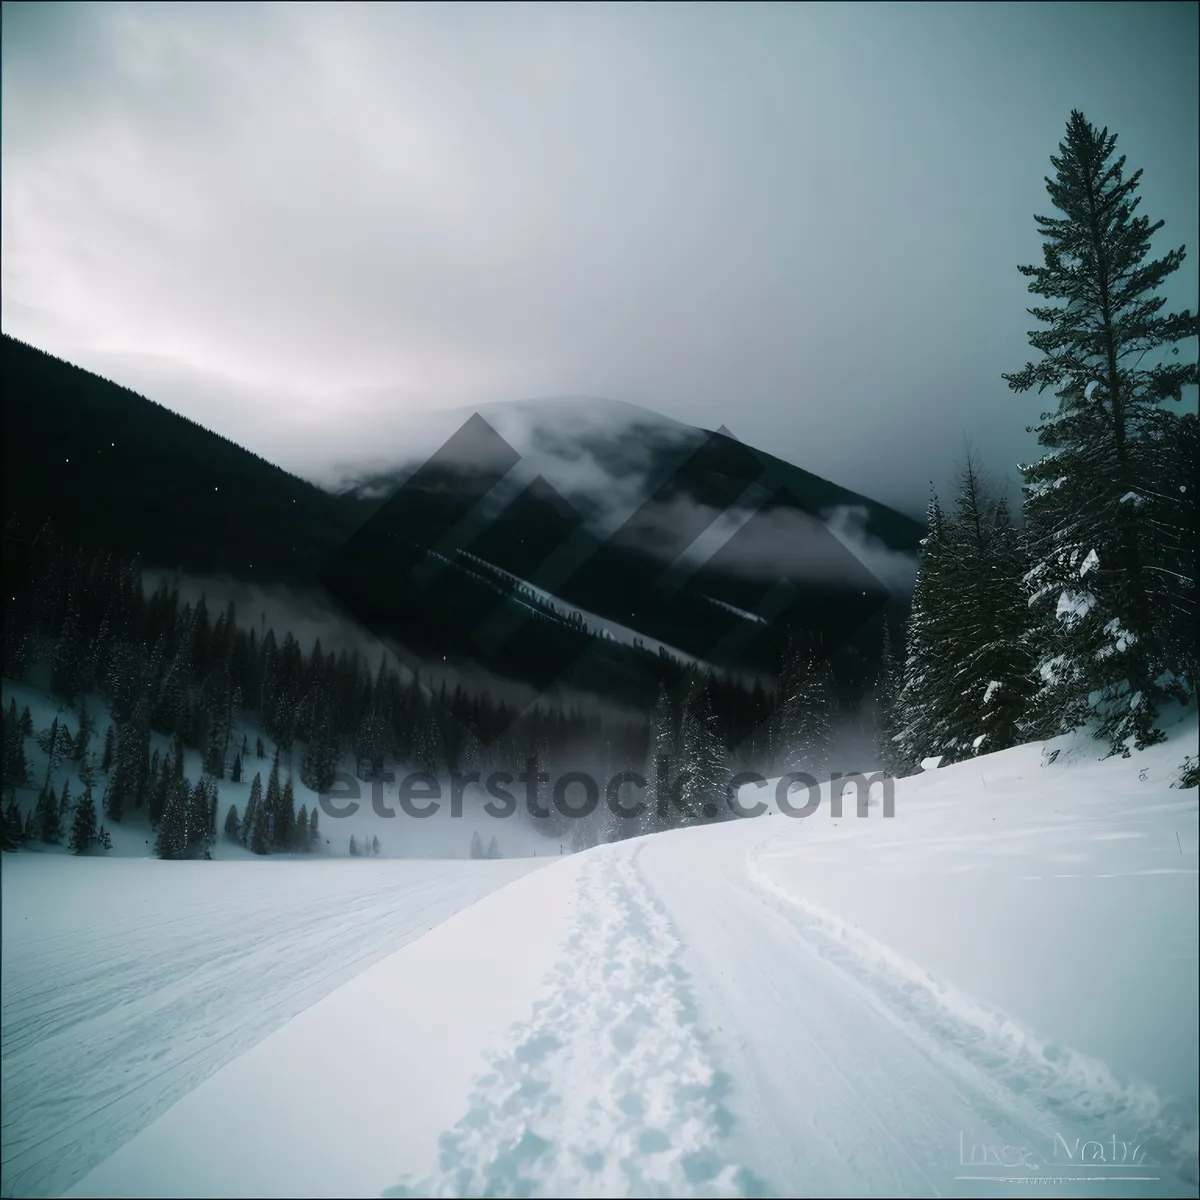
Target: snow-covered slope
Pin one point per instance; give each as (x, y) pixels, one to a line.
(128, 982)
(997, 984)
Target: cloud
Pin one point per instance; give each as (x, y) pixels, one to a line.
(799, 221)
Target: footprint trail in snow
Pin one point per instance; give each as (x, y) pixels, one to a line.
(608, 1090)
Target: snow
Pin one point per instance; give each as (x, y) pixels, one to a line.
(1091, 387)
(1074, 606)
(931, 764)
(127, 982)
(771, 1006)
(1090, 563)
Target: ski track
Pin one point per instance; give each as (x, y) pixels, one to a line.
(1015, 1079)
(609, 1089)
(614, 1085)
(105, 1027)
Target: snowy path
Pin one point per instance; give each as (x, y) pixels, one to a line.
(125, 984)
(609, 1089)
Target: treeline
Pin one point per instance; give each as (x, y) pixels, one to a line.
(1085, 613)
(167, 667)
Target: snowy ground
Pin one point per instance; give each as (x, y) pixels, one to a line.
(127, 982)
(995, 986)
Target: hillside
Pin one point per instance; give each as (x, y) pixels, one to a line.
(115, 472)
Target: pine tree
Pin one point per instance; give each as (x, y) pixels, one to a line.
(375, 846)
(663, 747)
(49, 824)
(13, 821)
(86, 728)
(926, 694)
(301, 837)
(313, 833)
(175, 832)
(354, 850)
(887, 685)
(233, 829)
(110, 749)
(64, 805)
(83, 827)
(817, 707)
(270, 808)
(16, 765)
(255, 828)
(285, 822)
(493, 850)
(703, 757)
(55, 744)
(1101, 654)
(236, 774)
(476, 845)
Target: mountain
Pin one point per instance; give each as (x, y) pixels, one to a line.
(569, 542)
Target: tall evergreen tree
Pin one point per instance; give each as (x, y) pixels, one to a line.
(285, 821)
(926, 695)
(233, 829)
(83, 827)
(16, 765)
(1102, 655)
(662, 752)
(271, 802)
(49, 821)
(887, 686)
(256, 825)
(703, 757)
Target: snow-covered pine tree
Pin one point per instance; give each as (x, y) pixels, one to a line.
(233, 827)
(175, 834)
(375, 846)
(476, 845)
(988, 623)
(313, 832)
(926, 693)
(1101, 655)
(816, 715)
(662, 751)
(354, 850)
(493, 850)
(702, 755)
(1172, 452)
(83, 827)
(131, 765)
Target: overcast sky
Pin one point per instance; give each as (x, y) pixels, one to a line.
(302, 225)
